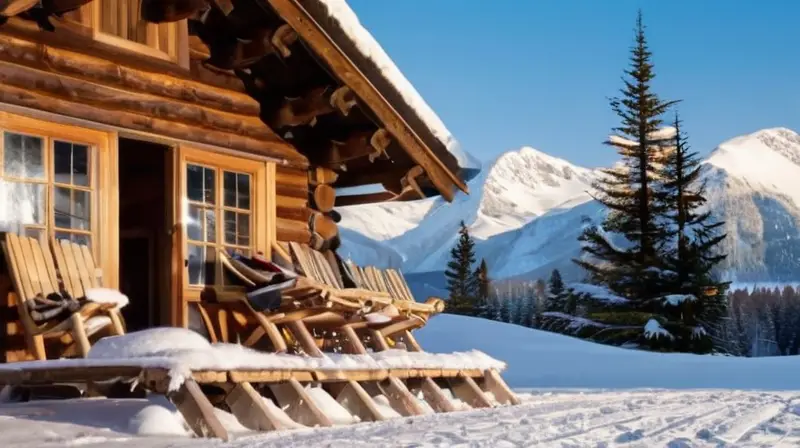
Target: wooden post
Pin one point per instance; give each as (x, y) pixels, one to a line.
(249, 408)
(358, 402)
(299, 406)
(493, 382)
(197, 411)
(466, 390)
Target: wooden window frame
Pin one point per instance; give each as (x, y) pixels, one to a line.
(262, 210)
(175, 30)
(103, 185)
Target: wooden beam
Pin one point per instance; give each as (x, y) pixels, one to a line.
(360, 144)
(158, 11)
(358, 402)
(366, 198)
(138, 122)
(298, 405)
(102, 71)
(493, 382)
(197, 411)
(114, 100)
(284, 37)
(10, 8)
(302, 110)
(314, 35)
(248, 406)
(320, 175)
(343, 99)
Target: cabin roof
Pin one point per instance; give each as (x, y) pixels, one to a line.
(345, 29)
(344, 33)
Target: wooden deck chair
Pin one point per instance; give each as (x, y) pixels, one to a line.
(33, 271)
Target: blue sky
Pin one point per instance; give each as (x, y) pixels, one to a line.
(506, 73)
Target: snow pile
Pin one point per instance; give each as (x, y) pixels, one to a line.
(595, 292)
(340, 12)
(654, 330)
(677, 299)
(539, 359)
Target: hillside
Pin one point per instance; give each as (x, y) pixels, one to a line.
(527, 209)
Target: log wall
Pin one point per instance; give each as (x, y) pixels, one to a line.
(292, 204)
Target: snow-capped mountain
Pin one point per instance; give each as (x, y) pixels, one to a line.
(526, 210)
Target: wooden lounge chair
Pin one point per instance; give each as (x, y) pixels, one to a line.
(33, 272)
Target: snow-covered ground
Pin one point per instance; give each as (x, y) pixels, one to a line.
(575, 393)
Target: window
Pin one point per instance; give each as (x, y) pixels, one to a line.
(46, 186)
(214, 193)
(119, 22)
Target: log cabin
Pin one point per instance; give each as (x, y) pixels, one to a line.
(160, 131)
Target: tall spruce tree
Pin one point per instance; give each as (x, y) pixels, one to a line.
(482, 284)
(460, 276)
(557, 293)
(631, 270)
(693, 253)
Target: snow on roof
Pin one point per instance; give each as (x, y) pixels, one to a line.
(340, 12)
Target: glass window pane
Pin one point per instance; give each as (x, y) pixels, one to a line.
(230, 227)
(62, 199)
(62, 162)
(229, 188)
(194, 226)
(194, 183)
(243, 229)
(243, 190)
(82, 239)
(196, 265)
(211, 225)
(23, 157)
(81, 210)
(22, 204)
(201, 265)
(209, 186)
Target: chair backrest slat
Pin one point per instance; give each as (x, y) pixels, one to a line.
(325, 270)
(85, 274)
(302, 259)
(402, 280)
(48, 284)
(356, 275)
(394, 285)
(90, 265)
(68, 268)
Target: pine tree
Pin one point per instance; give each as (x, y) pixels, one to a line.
(482, 284)
(627, 190)
(460, 276)
(693, 253)
(540, 300)
(557, 295)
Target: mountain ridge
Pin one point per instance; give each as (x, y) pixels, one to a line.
(527, 209)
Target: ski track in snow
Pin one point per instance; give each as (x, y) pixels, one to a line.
(645, 418)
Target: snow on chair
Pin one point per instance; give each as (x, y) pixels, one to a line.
(34, 276)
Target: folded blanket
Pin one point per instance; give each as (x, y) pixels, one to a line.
(54, 307)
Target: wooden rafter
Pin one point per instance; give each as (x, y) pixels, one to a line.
(315, 36)
(302, 110)
(362, 144)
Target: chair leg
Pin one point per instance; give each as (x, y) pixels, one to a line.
(36, 346)
(116, 323)
(79, 334)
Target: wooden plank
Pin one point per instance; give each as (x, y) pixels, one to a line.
(84, 273)
(434, 396)
(47, 281)
(29, 267)
(197, 411)
(248, 406)
(71, 267)
(303, 336)
(466, 390)
(50, 265)
(493, 382)
(91, 267)
(61, 267)
(358, 402)
(400, 397)
(294, 398)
